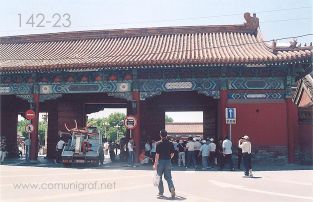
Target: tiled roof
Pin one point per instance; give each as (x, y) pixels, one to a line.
(184, 128)
(129, 48)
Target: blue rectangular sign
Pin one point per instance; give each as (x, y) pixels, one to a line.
(230, 114)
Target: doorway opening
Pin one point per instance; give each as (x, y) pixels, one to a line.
(184, 124)
(22, 135)
(109, 121)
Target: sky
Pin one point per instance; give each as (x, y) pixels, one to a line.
(278, 18)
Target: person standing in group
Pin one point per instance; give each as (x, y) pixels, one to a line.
(219, 152)
(245, 145)
(227, 153)
(131, 153)
(2, 148)
(181, 153)
(204, 152)
(59, 149)
(147, 148)
(164, 153)
(197, 151)
(239, 155)
(191, 160)
(212, 148)
(153, 150)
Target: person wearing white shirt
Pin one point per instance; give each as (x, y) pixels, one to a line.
(212, 148)
(245, 145)
(153, 150)
(131, 154)
(147, 148)
(197, 151)
(227, 154)
(59, 149)
(204, 151)
(191, 160)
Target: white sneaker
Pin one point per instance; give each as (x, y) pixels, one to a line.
(250, 173)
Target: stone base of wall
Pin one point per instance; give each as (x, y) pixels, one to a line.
(272, 155)
(304, 157)
(268, 155)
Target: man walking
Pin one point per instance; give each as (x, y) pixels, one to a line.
(164, 152)
(245, 145)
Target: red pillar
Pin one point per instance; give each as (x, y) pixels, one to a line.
(222, 106)
(292, 128)
(136, 133)
(34, 134)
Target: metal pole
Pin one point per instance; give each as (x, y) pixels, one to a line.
(230, 132)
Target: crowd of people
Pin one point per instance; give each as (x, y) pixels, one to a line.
(203, 154)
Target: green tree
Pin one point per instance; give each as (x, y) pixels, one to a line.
(21, 127)
(43, 126)
(168, 119)
(110, 126)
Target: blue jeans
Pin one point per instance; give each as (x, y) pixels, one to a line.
(131, 158)
(205, 161)
(247, 162)
(191, 159)
(164, 167)
(27, 153)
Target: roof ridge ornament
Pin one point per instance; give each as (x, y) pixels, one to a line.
(252, 22)
(293, 43)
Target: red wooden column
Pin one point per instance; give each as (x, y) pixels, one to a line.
(292, 128)
(222, 106)
(136, 133)
(34, 134)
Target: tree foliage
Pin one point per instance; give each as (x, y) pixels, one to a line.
(43, 126)
(168, 119)
(110, 126)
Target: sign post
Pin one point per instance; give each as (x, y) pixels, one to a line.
(130, 122)
(230, 114)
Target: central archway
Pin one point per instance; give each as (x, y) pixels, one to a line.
(154, 108)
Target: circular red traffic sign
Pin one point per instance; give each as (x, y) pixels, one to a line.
(30, 114)
(130, 122)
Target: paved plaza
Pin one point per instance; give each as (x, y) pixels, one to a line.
(118, 183)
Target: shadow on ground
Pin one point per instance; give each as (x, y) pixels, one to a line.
(43, 162)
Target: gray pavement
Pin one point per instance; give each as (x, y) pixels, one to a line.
(47, 181)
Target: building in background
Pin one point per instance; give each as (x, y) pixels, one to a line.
(184, 130)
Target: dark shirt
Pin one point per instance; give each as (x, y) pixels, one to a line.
(181, 147)
(164, 148)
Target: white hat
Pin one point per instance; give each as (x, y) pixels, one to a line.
(245, 137)
(203, 141)
(211, 139)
